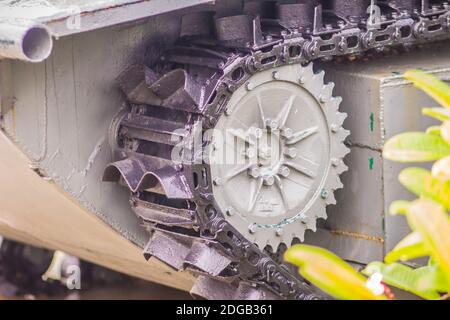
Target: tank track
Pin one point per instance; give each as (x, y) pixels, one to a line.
(189, 88)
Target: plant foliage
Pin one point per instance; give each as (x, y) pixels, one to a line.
(427, 216)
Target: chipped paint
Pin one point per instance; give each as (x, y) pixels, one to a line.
(94, 154)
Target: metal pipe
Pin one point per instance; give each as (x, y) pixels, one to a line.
(25, 40)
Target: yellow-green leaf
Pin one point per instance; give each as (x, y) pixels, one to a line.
(426, 282)
(437, 113)
(399, 207)
(330, 273)
(434, 130)
(441, 169)
(416, 147)
(410, 247)
(445, 131)
(434, 87)
(422, 183)
(433, 223)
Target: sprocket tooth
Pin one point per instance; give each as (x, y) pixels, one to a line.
(319, 77)
(247, 291)
(212, 289)
(311, 224)
(327, 92)
(330, 200)
(135, 82)
(178, 90)
(167, 249)
(342, 117)
(206, 259)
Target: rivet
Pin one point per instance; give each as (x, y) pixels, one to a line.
(334, 162)
(334, 128)
(323, 99)
(252, 228)
(324, 193)
(217, 181)
(229, 211)
(302, 80)
(249, 86)
(276, 75)
(279, 232)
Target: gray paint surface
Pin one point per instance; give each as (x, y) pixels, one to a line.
(63, 108)
(380, 104)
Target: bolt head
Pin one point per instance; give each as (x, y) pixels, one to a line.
(287, 133)
(324, 194)
(252, 228)
(269, 180)
(284, 171)
(290, 152)
(254, 172)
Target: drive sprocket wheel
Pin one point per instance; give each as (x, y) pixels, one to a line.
(276, 154)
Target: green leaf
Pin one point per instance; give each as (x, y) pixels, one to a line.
(433, 223)
(445, 131)
(399, 207)
(416, 147)
(422, 183)
(434, 130)
(426, 282)
(330, 273)
(410, 247)
(441, 169)
(437, 113)
(434, 87)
